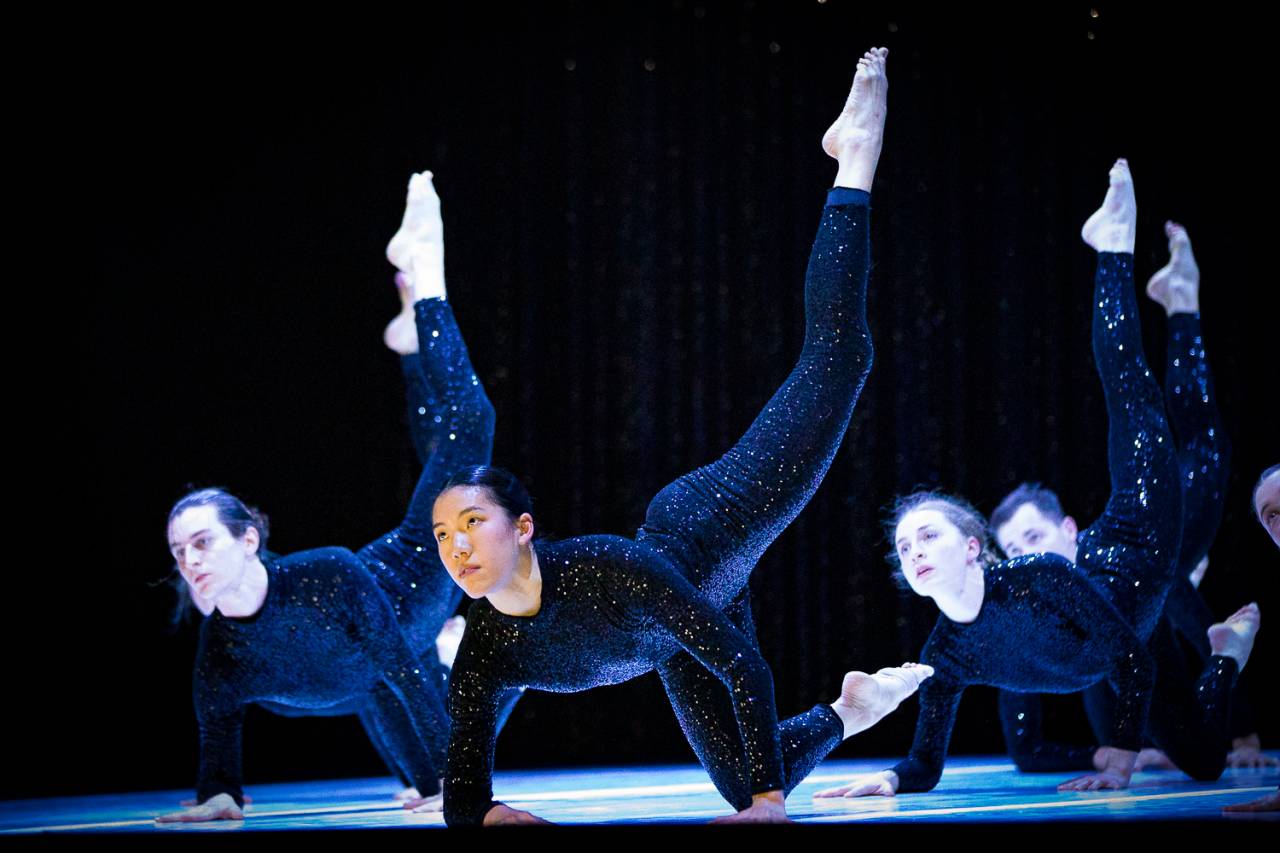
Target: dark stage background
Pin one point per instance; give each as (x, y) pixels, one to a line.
(629, 196)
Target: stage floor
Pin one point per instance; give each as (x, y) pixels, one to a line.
(973, 790)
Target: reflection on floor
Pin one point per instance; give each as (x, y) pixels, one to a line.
(973, 789)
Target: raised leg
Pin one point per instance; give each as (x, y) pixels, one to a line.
(1130, 552)
(717, 521)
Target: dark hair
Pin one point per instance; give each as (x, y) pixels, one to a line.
(956, 510)
(503, 487)
(1253, 496)
(234, 514)
(1043, 499)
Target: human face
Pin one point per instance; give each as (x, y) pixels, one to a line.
(935, 556)
(1030, 531)
(1266, 502)
(479, 542)
(210, 559)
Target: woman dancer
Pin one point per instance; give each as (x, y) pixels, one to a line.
(1041, 623)
(1031, 520)
(593, 610)
(330, 631)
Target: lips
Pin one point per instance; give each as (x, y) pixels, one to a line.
(468, 570)
(923, 572)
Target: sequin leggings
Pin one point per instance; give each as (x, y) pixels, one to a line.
(716, 522)
(1131, 552)
(1192, 717)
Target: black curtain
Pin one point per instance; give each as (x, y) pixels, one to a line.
(629, 195)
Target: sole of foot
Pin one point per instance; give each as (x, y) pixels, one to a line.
(1234, 637)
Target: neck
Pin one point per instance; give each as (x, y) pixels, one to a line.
(965, 605)
(249, 596)
(523, 596)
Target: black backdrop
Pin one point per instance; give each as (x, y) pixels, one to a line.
(629, 195)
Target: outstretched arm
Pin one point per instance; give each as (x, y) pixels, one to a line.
(220, 717)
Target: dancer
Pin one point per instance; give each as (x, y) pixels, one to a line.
(330, 631)
(1266, 508)
(1037, 622)
(1030, 520)
(594, 610)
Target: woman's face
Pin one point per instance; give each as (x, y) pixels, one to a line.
(479, 542)
(934, 554)
(210, 559)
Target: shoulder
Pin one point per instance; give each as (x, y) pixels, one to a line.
(332, 565)
(603, 556)
(1030, 570)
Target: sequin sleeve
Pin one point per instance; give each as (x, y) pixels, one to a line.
(939, 701)
(220, 720)
(476, 699)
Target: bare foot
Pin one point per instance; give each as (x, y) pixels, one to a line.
(449, 638)
(421, 222)
(401, 335)
(407, 794)
(1176, 285)
(867, 699)
(856, 136)
(1111, 228)
(1234, 637)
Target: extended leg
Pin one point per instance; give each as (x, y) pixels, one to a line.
(717, 521)
(1130, 552)
(1194, 420)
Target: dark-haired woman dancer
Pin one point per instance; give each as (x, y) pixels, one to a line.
(1042, 623)
(594, 610)
(328, 630)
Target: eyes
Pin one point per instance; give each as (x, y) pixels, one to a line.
(925, 536)
(470, 522)
(201, 543)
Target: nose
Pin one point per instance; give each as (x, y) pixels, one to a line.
(461, 546)
(917, 552)
(190, 556)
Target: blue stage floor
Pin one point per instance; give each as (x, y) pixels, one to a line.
(983, 789)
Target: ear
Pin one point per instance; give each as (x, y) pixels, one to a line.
(1069, 527)
(252, 539)
(973, 548)
(525, 529)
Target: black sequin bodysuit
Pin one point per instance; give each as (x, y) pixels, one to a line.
(344, 632)
(674, 598)
(1049, 626)
(1203, 459)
